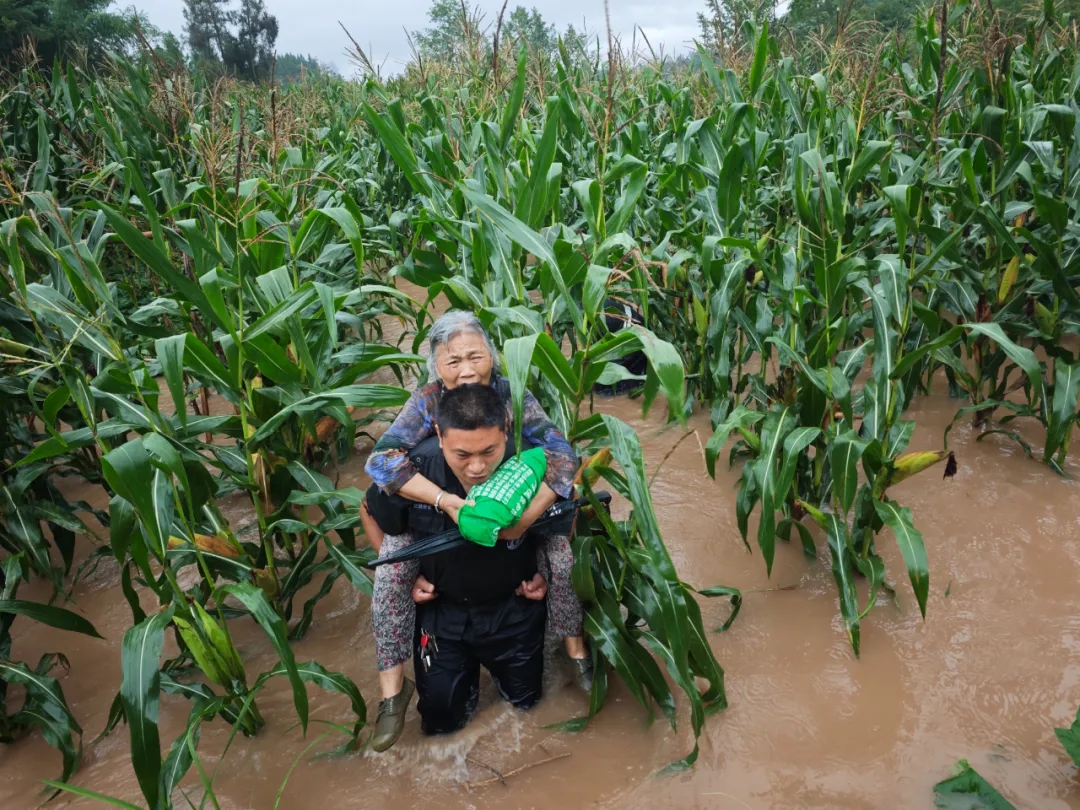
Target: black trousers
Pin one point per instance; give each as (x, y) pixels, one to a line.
(508, 641)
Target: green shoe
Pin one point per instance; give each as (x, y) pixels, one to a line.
(391, 720)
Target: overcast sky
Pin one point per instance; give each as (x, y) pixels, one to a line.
(311, 26)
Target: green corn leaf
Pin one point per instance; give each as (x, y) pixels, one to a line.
(667, 365)
(518, 355)
(870, 155)
(360, 396)
(617, 649)
(729, 186)
(553, 366)
(783, 531)
(399, 149)
(86, 793)
(352, 565)
(778, 425)
(581, 573)
(513, 106)
(1063, 412)
(314, 673)
(761, 53)
(967, 790)
(797, 441)
(912, 547)
(1024, 358)
(709, 68)
(170, 353)
(45, 708)
(589, 195)
(149, 252)
(205, 365)
(1070, 739)
(637, 173)
(739, 419)
(595, 290)
(57, 617)
(128, 471)
(531, 208)
(350, 227)
(23, 525)
(255, 601)
(179, 759)
(912, 357)
(276, 319)
(522, 235)
(626, 449)
(844, 454)
(140, 689)
(836, 532)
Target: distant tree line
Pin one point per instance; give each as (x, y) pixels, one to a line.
(459, 28)
(721, 20)
(220, 37)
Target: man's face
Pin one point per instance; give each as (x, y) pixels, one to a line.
(473, 455)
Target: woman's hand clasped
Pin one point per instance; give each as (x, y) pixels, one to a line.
(451, 504)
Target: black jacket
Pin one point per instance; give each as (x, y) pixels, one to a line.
(467, 575)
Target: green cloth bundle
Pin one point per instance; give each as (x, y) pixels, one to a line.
(499, 502)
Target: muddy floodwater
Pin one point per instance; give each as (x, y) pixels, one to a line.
(987, 676)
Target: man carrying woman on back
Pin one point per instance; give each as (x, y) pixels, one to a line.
(461, 353)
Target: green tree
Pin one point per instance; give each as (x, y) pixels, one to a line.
(20, 19)
(59, 28)
(459, 29)
(456, 28)
(528, 27)
(721, 22)
(804, 17)
(253, 45)
(170, 51)
(292, 67)
(239, 41)
(206, 26)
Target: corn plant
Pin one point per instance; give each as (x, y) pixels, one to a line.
(43, 706)
(273, 350)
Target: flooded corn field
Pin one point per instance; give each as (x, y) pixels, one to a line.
(989, 674)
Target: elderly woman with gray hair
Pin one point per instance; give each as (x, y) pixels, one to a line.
(461, 353)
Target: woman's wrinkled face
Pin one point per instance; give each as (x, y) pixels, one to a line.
(464, 360)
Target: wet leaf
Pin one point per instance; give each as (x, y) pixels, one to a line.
(57, 617)
(256, 603)
(352, 565)
(968, 791)
(140, 689)
(910, 540)
(1070, 739)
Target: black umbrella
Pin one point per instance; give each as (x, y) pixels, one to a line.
(453, 539)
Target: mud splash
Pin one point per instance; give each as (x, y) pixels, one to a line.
(989, 674)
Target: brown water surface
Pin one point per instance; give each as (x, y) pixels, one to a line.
(986, 677)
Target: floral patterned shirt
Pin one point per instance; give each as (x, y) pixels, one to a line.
(389, 465)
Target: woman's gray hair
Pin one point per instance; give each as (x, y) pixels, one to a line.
(447, 327)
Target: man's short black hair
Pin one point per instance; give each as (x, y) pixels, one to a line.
(471, 407)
